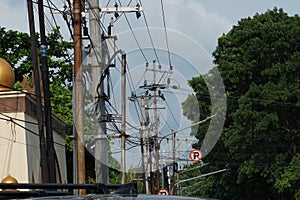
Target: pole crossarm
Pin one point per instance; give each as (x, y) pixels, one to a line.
(121, 9)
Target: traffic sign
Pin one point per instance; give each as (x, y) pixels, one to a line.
(196, 155)
(163, 191)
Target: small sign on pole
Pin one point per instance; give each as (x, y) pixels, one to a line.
(196, 155)
(163, 191)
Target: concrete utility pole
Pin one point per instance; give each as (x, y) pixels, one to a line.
(144, 147)
(145, 142)
(43, 147)
(79, 131)
(155, 128)
(174, 160)
(123, 125)
(153, 142)
(98, 68)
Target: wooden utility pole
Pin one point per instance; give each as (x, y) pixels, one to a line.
(47, 105)
(43, 147)
(79, 131)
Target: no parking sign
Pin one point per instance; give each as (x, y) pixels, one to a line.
(163, 191)
(196, 155)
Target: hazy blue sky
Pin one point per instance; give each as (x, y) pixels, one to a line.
(202, 20)
(194, 27)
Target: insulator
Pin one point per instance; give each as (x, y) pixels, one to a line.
(168, 81)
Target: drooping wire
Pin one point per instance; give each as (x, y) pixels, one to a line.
(10, 119)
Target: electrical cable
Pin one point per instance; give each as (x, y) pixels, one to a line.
(165, 27)
(27, 129)
(149, 34)
(173, 116)
(134, 36)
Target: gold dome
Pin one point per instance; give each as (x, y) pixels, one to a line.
(9, 179)
(7, 76)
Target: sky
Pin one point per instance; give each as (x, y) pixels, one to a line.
(202, 20)
(193, 29)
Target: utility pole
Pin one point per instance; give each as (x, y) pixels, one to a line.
(98, 68)
(123, 125)
(101, 144)
(47, 105)
(43, 147)
(153, 142)
(174, 162)
(79, 131)
(145, 142)
(156, 128)
(144, 147)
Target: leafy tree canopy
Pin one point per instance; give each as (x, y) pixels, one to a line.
(258, 60)
(16, 49)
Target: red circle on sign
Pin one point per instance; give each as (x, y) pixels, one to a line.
(163, 191)
(196, 155)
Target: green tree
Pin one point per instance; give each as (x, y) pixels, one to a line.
(258, 60)
(16, 49)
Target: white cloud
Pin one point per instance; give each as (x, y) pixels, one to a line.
(14, 15)
(192, 18)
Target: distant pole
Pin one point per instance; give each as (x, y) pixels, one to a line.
(144, 149)
(123, 124)
(33, 41)
(173, 158)
(78, 94)
(47, 104)
(156, 129)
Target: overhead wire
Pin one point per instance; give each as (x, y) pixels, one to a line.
(10, 119)
(165, 27)
(149, 34)
(172, 114)
(134, 36)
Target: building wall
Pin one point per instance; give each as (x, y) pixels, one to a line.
(19, 139)
(13, 149)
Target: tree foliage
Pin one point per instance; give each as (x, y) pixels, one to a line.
(258, 60)
(15, 48)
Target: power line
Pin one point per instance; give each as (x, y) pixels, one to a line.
(172, 114)
(166, 35)
(149, 34)
(27, 129)
(134, 36)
